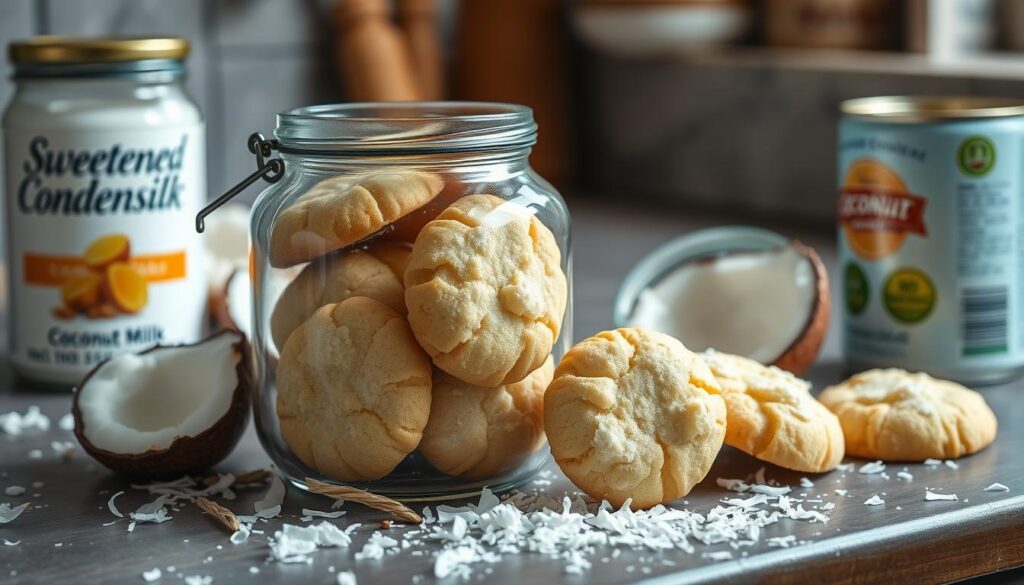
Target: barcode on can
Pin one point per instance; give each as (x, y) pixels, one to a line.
(984, 320)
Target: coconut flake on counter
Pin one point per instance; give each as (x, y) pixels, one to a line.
(905, 476)
(931, 496)
(240, 536)
(845, 467)
(11, 542)
(933, 462)
(997, 487)
(951, 464)
(269, 506)
(198, 580)
(871, 468)
(154, 512)
(308, 514)
(66, 422)
(806, 483)
(15, 423)
(874, 501)
(14, 490)
(113, 508)
(152, 575)
(346, 578)
(295, 544)
(9, 514)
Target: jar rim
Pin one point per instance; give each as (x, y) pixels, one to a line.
(406, 127)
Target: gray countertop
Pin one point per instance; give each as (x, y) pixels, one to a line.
(63, 537)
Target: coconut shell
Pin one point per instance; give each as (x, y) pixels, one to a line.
(798, 357)
(186, 455)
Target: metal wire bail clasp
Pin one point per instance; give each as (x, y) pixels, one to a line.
(269, 169)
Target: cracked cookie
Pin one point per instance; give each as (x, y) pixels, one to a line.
(375, 272)
(632, 413)
(353, 390)
(476, 432)
(485, 291)
(894, 415)
(340, 211)
(772, 415)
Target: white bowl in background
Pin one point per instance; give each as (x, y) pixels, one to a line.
(653, 28)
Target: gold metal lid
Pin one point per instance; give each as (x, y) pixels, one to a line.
(61, 50)
(931, 108)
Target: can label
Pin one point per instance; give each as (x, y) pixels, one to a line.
(103, 256)
(930, 242)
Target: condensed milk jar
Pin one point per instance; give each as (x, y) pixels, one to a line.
(931, 217)
(104, 173)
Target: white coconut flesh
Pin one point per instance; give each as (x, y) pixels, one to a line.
(239, 303)
(754, 304)
(226, 241)
(135, 403)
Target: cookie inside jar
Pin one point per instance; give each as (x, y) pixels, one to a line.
(428, 301)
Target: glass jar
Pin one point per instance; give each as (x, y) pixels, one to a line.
(351, 386)
(105, 171)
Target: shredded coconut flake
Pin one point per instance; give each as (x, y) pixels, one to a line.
(951, 464)
(14, 490)
(9, 514)
(873, 467)
(806, 483)
(933, 462)
(308, 514)
(905, 476)
(154, 512)
(113, 509)
(874, 501)
(198, 580)
(241, 535)
(294, 544)
(152, 575)
(270, 505)
(346, 578)
(66, 422)
(931, 496)
(997, 487)
(15, 423)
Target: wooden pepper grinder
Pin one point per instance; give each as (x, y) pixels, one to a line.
(418, 19)
(376, 63)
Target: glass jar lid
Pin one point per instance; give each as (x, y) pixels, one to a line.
(397, 128)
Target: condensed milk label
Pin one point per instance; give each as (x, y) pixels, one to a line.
(102, 250)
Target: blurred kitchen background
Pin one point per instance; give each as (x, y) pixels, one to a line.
(689, 104)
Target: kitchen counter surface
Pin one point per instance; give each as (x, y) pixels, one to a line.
(65, 537)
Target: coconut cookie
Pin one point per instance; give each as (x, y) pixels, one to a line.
(894, 415)
(632, 413)
(340, 211)
(476, 432)
(353, 390)
(375, 272)
(485, 291)
(772, 415)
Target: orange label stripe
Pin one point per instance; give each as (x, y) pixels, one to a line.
(44, 270)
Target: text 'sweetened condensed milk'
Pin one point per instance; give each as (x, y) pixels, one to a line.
(931, 208)
(104, 175)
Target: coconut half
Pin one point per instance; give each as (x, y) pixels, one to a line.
(231, 307)
(168, 411)
(771, 306)
(226, 243)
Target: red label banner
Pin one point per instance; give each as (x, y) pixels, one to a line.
(877, 208)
